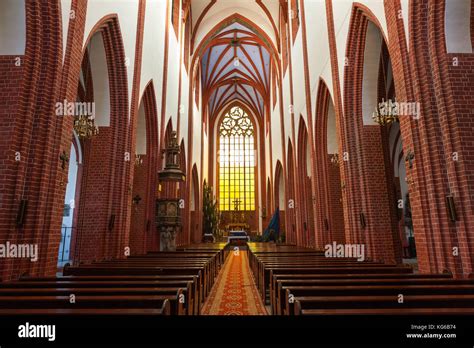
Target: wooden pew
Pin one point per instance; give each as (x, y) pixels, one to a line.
(387, 311)
(164, 310)
(157, 283)
(141, 271)
(358, 303)
(194, 303)
(372, 291)
(87, 302)
(281, 280)
(329, 269)
(180, 301)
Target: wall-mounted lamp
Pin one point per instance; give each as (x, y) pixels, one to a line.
(111, 222)
(335, 159)
(136, 200)
(362, 220)
(409, 158)
(451, 208)
(138, 160)
(20, 217)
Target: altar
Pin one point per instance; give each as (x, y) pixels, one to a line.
(237, 223)
(238, 237)
(237, 226)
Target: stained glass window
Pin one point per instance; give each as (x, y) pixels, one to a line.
(236, 161)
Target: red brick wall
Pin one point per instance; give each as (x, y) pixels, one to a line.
(329, 212)
(376, 204)
(138, 225)
(365, 181)
(187, 43)
(284, 40)
(93, 209)
(31, 134)
(336, 221)
(472, 24)
(195, 218)
(11, 78)
(175, 15)
(291, 226)
(295, 18)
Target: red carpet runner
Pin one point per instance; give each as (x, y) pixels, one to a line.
(234, 292)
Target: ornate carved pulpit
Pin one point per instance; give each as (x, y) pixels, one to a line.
(168, 215)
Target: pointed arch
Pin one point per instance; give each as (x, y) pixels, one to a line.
(195, 207)
(330, 215)
(293, 235)
(182, 238)
(305, 209)
(112, 208)
(367, 220)
(142, 227)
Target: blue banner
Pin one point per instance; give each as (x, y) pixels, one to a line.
(272, 232)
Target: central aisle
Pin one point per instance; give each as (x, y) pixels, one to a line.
(234, 292)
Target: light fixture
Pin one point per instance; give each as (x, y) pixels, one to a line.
(138, 160)
(85, 127)
(409, 158)
(136, 200)
(385, 113)
(335, 159)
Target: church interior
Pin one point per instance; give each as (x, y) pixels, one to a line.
(236, 157)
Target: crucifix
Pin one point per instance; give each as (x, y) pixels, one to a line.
(236, 209)
(236, 203)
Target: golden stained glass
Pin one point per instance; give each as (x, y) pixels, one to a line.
(236, 161)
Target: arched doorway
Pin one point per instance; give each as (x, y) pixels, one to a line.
(71, 200)
(104, 204)
(279, 197)
(330, 212)
(143, 236)
(183, 238)
(304, 184)
(370, 197)
(195, 207)
(293, 235)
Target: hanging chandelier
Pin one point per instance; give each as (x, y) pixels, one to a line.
(84, 124)
(85, 127)
(386, 113)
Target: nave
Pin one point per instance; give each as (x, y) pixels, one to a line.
(260, 279)
(142, 141)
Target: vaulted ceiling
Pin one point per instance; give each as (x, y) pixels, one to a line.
(236, 66)
(236, 42)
